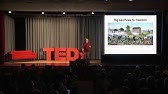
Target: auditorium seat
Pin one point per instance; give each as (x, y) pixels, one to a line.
(92, 80)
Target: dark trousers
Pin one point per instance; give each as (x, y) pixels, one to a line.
(87, 57)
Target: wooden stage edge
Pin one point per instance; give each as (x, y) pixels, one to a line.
(42, 63)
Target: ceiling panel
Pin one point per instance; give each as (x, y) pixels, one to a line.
(56, 1)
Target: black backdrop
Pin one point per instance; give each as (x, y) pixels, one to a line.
(20, 33)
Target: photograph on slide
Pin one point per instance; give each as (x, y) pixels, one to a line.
(130, 33)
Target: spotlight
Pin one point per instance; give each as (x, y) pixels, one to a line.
(63, 13)
(131, 0)
(9, 11)
(92, 13)
(42, 12)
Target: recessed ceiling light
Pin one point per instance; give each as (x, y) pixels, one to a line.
(131, 0)
(9, 11)
(63, 13)
(92, 13)
(42, 12)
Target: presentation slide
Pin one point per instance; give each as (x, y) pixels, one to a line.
(130, 34)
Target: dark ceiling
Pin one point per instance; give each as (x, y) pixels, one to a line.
(56, 1)
(82, 5)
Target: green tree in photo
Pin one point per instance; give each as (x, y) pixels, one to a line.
(128, 29)
(115, 29)
(145, 33)
(121, 29)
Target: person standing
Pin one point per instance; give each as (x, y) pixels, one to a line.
(86, 49)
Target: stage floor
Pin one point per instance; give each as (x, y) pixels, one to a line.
(45, 62)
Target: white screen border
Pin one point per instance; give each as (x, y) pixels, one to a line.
(130, 49)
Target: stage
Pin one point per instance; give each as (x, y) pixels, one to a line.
(42, 63)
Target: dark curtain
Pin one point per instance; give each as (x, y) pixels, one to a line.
(64, 31)
(2, 38)
(92, 28)
(9, 35)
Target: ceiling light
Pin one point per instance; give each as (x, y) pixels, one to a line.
(63, 13)
(9, 11)
(42, 12)
(92, 13)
